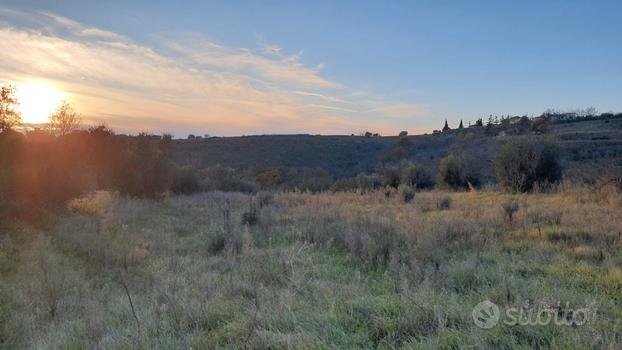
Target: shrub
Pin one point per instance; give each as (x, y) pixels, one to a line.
(265, 199)
(186, 181)
(270, 177)
(314, 180)
(520, 164)
(408, 193)
(362, 183)
(220, 178)
(510, 208)
(415, 176)
(344, 185)
(443, 202)
(250, 217)
(389, 175)
(455, 174)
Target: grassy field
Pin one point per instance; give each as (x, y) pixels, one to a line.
(314, 271)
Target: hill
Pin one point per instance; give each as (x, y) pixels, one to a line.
(589, 148)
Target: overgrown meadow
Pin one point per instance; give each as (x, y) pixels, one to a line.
(314, 271)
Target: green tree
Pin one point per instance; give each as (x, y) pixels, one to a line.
(520, 164)
(455, 173)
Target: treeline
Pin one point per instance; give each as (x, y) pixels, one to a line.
(520, 165)
(39, 170)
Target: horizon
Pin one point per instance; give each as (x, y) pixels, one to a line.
(247, 69)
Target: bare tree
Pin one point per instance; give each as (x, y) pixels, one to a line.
(64, 119)
(9, 116)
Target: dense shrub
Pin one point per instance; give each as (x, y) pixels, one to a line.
(314, 180)
(344, 185)
(510, 208)
(360, 183)
(148, 168)
(408, 193)
(522, 163)
(443, 202)
(40, 171)
(389, 175)
(220, 178)
(455, 173)
(186, 181)
(415, 176)
(270, 177)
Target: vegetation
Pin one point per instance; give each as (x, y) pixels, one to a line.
(64, 119)
(9, 116)
(115, 241)
(457, 173)
(522, 163)
(312, 271)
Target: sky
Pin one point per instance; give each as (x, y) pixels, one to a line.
(331, 67)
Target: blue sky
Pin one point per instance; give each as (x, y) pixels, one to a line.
(377, 65)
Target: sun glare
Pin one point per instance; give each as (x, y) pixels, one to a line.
(37, 100)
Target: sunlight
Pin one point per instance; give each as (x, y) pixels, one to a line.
(37, 100)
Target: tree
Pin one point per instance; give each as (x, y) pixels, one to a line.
(415, 176)
(456, 173)
(9, 116)
(460, 126)
(446, 127)
(520, 164)
(403, 133)
(64, 119)
(479, 122)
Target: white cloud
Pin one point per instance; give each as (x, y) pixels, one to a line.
(189, 83)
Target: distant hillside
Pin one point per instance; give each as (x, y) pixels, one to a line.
(589, 148)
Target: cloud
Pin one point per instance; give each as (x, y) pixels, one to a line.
(186, 83)
(320, 96)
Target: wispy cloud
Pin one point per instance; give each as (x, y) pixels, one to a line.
(186, 83)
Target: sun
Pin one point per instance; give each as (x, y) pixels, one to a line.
(37, 100)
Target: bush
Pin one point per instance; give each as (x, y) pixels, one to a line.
(389, 175)
(186, 181)
(314, 180)
(455, 174)
(225, 179)
(344, 185)
(408, 193)
(443, 203)
(265, 199)
(362, 183)
(520, 164)
(270, 177)
(415, 176)
(510, 208)
(250, 217)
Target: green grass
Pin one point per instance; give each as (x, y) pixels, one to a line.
(310, 275)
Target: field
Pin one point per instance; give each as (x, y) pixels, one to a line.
(314, 271)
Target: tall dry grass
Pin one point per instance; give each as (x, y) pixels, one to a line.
(342, 270)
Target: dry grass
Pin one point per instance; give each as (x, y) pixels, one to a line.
(315, 271)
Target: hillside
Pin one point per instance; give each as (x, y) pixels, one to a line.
(589, 148)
